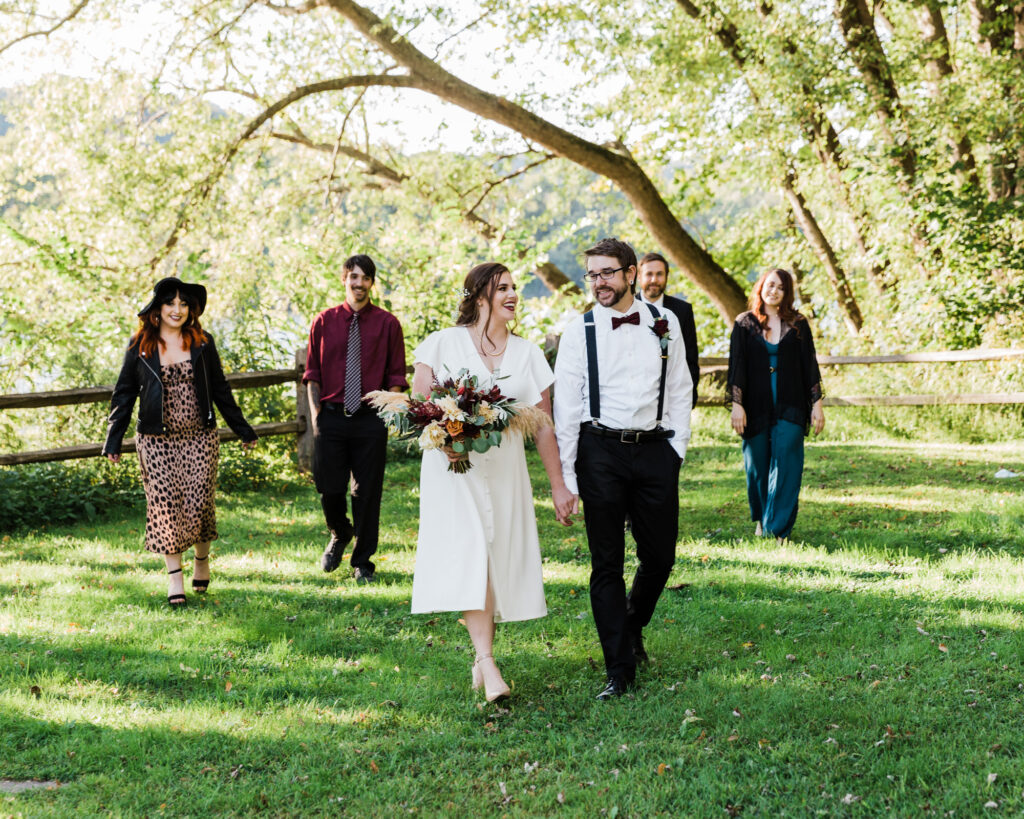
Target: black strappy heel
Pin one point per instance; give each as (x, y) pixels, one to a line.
(200, 586)
(175, 600)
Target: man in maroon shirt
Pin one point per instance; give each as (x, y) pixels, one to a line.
(354, 348)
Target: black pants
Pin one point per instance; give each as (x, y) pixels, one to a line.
(351, 451)
(642, 480)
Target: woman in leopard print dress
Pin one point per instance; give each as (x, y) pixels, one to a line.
(172, 366)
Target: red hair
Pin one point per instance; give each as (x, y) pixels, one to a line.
(147, 336)
(787, 312)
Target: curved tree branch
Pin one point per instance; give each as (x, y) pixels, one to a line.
(67, 18)
(664, 227)
(202, 190)
(374, 166)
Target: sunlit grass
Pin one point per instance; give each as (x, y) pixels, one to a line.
(871, 665)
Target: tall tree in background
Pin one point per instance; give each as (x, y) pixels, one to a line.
(712, 118)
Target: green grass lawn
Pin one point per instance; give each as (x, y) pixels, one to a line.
(872, 666)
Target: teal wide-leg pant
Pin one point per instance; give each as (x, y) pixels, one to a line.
(774, 461)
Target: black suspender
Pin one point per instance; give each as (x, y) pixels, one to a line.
(664, 367)
(595, 395)
(590, 331)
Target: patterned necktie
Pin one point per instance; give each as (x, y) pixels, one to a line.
(632, 318)
(353, 367)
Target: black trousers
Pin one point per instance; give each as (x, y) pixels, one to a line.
(349, 453)
(642, 480)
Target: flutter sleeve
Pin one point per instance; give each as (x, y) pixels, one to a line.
(736, 382)
(429, 352)
(809, 365)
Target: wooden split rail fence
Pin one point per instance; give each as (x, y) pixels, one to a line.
(299, 427)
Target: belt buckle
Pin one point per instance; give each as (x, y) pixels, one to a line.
(623, 436)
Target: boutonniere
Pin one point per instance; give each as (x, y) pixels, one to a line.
(660, 329)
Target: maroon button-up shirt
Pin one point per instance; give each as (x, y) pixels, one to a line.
(381, 342)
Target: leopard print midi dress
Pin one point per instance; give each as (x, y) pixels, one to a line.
(179, 469)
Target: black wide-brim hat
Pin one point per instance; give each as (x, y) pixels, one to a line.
(171, 285)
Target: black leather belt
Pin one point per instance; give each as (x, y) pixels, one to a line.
(627, 436)
(332, 407)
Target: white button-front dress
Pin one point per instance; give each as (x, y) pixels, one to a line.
(482, 522)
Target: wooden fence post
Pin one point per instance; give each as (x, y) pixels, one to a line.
(304, 440)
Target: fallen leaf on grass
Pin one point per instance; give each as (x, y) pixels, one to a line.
(849, 799)
(373, 767)
(942, 647)
(36, 691)
(991, 804)
(228, 686)
(662, 767)
(992, 777)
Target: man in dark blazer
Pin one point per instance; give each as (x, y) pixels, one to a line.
(652, 281)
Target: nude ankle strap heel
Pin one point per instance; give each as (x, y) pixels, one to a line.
(495, 690)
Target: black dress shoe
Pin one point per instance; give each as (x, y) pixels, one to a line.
(334, 551)
(363, 576)
(637, 640)
(615, 687)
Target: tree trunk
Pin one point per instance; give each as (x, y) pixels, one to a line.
(865, 49)
(554, 279)
(938, 66)
(695, 262)
(818, 128)
(823, 250)
(998, 30)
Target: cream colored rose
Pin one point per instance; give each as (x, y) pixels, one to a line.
(450, 407)
(487, 412)
(432, 436)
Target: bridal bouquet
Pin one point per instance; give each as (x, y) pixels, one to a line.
(459, 414)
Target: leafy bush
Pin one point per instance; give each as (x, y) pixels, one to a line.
(42, 494)
(271, 464)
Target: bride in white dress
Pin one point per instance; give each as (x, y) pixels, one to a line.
(478, 551)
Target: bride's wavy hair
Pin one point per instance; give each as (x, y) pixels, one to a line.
(481, 282)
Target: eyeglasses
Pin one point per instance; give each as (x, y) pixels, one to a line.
(593, 276)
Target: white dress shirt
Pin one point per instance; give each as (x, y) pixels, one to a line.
(629, 371)
(657, 302)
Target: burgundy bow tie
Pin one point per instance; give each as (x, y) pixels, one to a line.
(632, 318)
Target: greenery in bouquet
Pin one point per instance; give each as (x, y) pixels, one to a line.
(459, 414)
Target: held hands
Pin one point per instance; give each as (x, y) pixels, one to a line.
(817, 417)
(739, 418)
(566, 504)
(113, 457)
(248, 445)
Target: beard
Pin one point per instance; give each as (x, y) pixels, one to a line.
(609, 293)
(653, 291)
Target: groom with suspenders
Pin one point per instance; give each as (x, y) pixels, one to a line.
(623, 397)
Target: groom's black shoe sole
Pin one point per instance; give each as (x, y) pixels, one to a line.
(615, 687)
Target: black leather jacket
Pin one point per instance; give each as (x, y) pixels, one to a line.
(140, 378)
